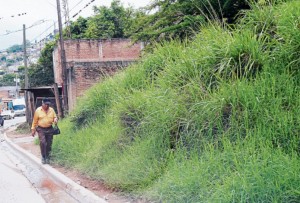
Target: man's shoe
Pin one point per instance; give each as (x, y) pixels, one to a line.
(47, 161)
(43, 161)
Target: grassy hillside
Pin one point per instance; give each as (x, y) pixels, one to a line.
(216, 119)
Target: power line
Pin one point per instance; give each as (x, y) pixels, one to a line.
(42, 21)
(76, 5)
(67, 17)
(14, 15)
(83, 8)
(33, 25)
(43, 33)
(65, 22)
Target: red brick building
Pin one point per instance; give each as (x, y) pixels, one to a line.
(89, 61)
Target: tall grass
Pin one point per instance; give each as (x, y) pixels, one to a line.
(211, 120)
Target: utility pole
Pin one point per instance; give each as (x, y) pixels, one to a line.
(17, 80)
(63, 61)
(26, 76)
(67, 17)
(25, 56)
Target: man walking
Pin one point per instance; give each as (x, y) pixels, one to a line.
(43, 119)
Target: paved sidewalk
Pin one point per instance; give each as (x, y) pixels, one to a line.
(14, 187)
(76, 191)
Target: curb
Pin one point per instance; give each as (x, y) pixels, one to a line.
(78, 192)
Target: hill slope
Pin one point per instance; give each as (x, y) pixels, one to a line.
(212, 120)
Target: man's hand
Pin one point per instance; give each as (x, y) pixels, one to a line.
(32, 132)
(55, 120)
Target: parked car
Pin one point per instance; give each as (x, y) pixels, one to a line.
(19, 107)
(19, 110)
(1, 121)
(8, 114)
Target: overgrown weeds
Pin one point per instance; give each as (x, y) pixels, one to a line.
(211, 120)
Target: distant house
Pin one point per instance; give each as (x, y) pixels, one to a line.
(7, 93)
(13, 69)
(89, 61)
(10, 56)
(4, 53)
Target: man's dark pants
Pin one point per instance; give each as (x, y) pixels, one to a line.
(46, 137)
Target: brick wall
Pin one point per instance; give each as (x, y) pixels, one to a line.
(89, 61)
(83, 75)
(95, 51)
(57, 67)
(4, 94)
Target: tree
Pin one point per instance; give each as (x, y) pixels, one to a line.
(17, 47)
(9, 62)
(110, 22)
(8, 80)
(41, 74)
(21, 74)
(77, 29)
(181, 18)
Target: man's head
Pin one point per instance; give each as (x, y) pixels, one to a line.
(46, 102)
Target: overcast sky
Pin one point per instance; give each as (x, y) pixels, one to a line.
(38, 11)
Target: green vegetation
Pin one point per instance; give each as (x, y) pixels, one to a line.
(23, 128)
(15, 48)
(10, 62)
(8, 80)
(215, 119)
(180, 18)
(41, 74)
(112, 22)
(77, 29)
(107, 22)
(161, 20)
(3, 58)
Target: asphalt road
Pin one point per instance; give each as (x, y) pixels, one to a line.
(12, 122)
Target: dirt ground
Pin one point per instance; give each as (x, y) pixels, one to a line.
(97, 187)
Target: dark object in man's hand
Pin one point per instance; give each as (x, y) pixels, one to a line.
(56, 130)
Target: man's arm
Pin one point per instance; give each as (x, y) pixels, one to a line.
(55, 120)
(34, 124)
(33, 132)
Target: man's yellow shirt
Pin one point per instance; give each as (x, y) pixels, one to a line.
(42, 118)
